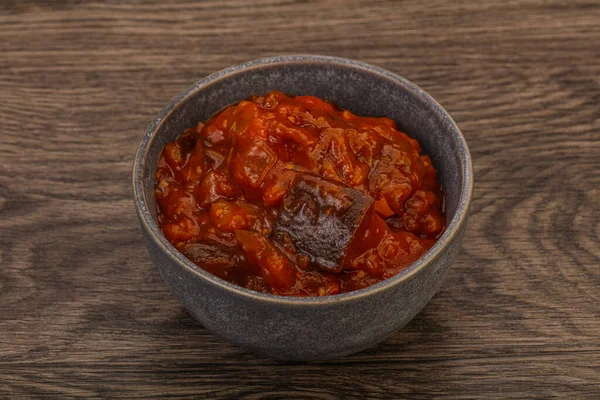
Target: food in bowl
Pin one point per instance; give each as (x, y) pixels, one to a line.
(291, 195)
(309, 327)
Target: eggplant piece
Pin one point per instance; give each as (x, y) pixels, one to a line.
(323, 219)
(213, 257)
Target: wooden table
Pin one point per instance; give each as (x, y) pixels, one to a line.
(84, 313)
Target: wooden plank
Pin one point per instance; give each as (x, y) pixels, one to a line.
(84, 313)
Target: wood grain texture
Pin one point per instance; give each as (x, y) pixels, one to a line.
(83, 313)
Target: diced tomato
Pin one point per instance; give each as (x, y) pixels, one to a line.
(234, 194)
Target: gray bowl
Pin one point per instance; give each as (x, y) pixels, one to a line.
(295, 328)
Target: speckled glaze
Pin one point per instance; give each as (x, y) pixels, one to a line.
(294, 328)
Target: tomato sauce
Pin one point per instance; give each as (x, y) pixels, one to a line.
(294, 196)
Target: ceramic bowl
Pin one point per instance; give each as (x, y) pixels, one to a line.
(296, 328)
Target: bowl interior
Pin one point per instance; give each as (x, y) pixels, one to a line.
(364, 90)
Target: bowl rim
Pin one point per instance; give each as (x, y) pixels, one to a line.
(452, 229)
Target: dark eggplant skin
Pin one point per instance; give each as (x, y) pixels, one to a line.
(322, 218)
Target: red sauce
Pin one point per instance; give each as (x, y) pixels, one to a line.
(293, 196)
